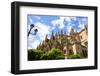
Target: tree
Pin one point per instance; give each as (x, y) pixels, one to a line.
(53, 54)
(34, 54)
(49, 55)
(76, 56)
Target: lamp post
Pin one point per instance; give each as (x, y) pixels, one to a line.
(35, 30)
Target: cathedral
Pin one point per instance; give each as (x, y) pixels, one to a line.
(72, 44)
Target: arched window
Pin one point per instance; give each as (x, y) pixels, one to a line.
(64, 51)
(71, 52)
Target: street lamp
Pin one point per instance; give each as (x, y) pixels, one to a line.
(35, 30)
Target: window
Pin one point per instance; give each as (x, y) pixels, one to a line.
(64, 51)
(84, 53)
(70, 52)
(80, 37)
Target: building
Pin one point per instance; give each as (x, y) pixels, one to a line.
(74, 43)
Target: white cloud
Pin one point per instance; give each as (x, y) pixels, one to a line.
(68, 19)
(35, 44)
(61, 26)
(81, 26)
(43, 30)
(31, 39)
(60, 22)
(82, 23)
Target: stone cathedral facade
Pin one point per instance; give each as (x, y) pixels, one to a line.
(74, 43)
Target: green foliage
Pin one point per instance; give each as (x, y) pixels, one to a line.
(77, 56)
(40, 55)
(34, 54)
(44, 56)
(53, 54)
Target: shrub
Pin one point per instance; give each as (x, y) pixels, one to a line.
(53, 54)
(34, 54)
(57, 53)
(50, 55)
(60, 57)
(76, 56)
(44, 56)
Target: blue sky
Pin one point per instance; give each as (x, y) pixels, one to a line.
(47, 24)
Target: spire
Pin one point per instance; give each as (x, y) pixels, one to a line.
(52, 33)
(61, 32)
(72, 31)
(64, 32)
(86, 28)
(46, 36)
(56, 34)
